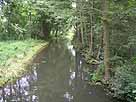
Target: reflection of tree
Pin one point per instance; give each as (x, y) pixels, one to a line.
(54, 74)
(82, 90)
(20, 91)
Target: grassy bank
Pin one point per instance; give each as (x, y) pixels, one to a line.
(15, 56)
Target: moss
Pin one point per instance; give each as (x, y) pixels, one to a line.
(16, 56)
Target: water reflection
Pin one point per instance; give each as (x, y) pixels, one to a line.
(58, 76)
(21, 90)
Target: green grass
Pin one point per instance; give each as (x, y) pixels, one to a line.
(15, 56)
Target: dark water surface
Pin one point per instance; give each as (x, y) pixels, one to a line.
(58, 75)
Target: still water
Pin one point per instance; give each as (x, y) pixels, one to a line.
(58, 75)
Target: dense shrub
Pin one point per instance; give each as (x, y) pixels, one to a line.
(98, 74)
(124, 83)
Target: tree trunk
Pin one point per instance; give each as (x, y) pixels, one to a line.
(82, 29)
(91, 33)
(106, 40)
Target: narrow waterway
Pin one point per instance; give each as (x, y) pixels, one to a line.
(58, 75)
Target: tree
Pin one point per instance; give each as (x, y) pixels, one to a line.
(106, 39)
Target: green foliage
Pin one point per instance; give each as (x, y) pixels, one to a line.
(117, 61)
(124, 83)
(133, 60)
(98, 74)
(32, 18)
(122, 29)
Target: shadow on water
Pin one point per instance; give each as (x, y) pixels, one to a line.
(58, 75)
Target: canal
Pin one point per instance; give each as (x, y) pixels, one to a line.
(58, 75)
